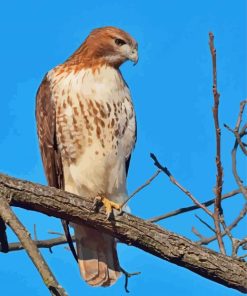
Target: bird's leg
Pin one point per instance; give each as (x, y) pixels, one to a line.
(109, 205)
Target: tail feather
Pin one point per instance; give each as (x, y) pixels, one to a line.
(97, 256)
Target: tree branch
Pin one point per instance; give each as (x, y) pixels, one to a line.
(242, 214)
(234, 169)
(141, 187)
(10, 218)
(235, 131)
(46, 244)
(205, 223)
(4, 247)
(192, 208)
(128, 229)
(175, 182)
(218, 188)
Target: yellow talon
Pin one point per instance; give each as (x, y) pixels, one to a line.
(109, 205)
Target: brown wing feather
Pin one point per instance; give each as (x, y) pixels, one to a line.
(46, 126)
(127, 162)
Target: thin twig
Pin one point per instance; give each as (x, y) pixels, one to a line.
(229, 234)
(142, 186)
(205, 223)
(175, 182)
(236, 129)
(236, 244)
(127, 276)
(35, 232)
(192, 208)
(238, 138)
(241, 243)
(241, 215)
(243, 256)
(239, 142)
(219, 177)
(55, 232)
(49, 279)
(46, 244)
(197, 233)
(241, 111)
(234, 164)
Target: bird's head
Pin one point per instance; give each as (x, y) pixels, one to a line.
(108, 45)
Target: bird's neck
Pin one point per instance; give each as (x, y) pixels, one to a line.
(93, 57)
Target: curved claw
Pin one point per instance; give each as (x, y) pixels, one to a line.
(109, 205)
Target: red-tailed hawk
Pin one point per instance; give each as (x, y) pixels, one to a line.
(87, 130)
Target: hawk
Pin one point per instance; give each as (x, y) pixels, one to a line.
(87, 130)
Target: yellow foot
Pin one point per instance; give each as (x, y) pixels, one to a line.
(109, 205)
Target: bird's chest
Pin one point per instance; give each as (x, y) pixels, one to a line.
(94, 113)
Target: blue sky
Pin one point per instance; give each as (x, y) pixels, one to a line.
(171, 89)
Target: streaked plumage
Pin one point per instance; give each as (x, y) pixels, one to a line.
(87, 131)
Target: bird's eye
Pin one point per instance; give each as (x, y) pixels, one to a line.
(120, 42)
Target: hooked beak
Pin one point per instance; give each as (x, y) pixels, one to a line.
(133, 56)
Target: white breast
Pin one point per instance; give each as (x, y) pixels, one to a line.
(99, 167)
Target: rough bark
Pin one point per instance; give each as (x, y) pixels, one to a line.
(128, 229)
(33, 252)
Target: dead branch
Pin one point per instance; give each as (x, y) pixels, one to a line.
(197, 233)
(219, 178)
(35, 232)
(142, 186)
(192, 208)
(239, 243)
(238, 140)
(128, 229)
(175, 182)
(10, 218)
(235, 131)
(242, 214)
(205, 223)
(127, 276)
(46, 244)
(234, 168)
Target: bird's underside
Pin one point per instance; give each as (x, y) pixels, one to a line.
(87, 130)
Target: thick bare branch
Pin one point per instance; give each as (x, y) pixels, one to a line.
(128, 229)
(10, 218)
